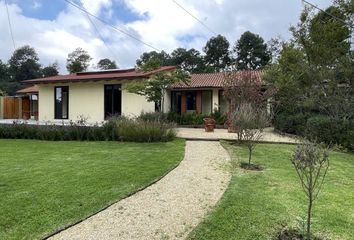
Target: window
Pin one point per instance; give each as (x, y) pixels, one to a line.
(176, 102)
(61, 95)
(191, 98)
(112, 100)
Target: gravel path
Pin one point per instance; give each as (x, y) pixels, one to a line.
(169, 209)
(269, 135)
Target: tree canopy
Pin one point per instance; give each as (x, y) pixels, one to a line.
(105, 64)
(251, 52)
(162, 57)
(188, 60)
(315, 71)
(217, 55)
(50, 70)
(78, 61)
(24, 64)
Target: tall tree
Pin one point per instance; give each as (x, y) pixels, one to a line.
(24, 64)
(188, 60)
(78, 61)
(251, 52)
(50, 70)
(217, 55)
(315, 71)
(105, 64)
(4, 78)
(163, 57)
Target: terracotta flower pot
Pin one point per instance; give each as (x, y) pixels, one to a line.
(209, 124)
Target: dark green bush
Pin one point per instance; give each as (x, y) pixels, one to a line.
(291, 123)
(195, 118)
(331, 130)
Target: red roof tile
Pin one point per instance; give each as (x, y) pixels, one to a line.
(214, 80)
(32, 89)
(100, 75)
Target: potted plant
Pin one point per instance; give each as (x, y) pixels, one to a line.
(209, 124)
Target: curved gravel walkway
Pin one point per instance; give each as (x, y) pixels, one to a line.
(169, 209)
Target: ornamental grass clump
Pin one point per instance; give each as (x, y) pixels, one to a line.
(139, 130)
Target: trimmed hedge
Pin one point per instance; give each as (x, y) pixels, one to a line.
(116, 129)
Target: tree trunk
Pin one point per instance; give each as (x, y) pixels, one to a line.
(309, 210)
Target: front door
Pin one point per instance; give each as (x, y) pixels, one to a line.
(112, 100)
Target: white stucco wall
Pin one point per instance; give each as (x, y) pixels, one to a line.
(87, 99)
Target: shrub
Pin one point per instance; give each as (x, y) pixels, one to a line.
(331, 130)
(123, 129)
(154, 117)
(195, 119)
(291, 123)
(139, 130)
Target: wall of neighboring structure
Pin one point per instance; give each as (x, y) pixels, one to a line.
(1, 107)
(87, 100)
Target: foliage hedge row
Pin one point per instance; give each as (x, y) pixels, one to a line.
(116, 129)
(184, 119)
(318, 127)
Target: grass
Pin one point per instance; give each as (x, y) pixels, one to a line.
(257, 203)
(45, 186)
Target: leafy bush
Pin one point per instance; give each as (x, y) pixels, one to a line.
(331, 130)
(123, 129)
(195, 118)
(291, 123)
(154, 116)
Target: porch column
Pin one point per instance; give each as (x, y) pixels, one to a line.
(183, 102)
(167, 102)
(215, 105)
(199, 102)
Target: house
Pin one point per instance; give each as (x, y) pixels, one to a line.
(98, 95)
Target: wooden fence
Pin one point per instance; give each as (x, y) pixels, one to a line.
(11, 107)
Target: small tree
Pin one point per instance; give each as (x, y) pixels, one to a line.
(250, 122)
(311, 164)
(154, 88)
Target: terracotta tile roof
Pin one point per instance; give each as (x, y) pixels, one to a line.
(32, 89)
(99, 75)
(214, 80)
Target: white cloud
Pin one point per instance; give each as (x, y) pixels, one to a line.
(163, 24)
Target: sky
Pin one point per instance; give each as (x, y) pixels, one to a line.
(55, 28)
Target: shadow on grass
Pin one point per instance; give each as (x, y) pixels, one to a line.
(287, 233)
(251, 167)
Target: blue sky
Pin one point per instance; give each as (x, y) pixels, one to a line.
(54, 28)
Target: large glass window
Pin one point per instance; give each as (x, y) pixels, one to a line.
(61, 102)
(112, 100)
(176, 102)
(191, 98)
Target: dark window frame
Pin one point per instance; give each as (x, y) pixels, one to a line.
(105, 116)
(55, 102)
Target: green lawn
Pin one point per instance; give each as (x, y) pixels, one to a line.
(257, 203)
(48, 185)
